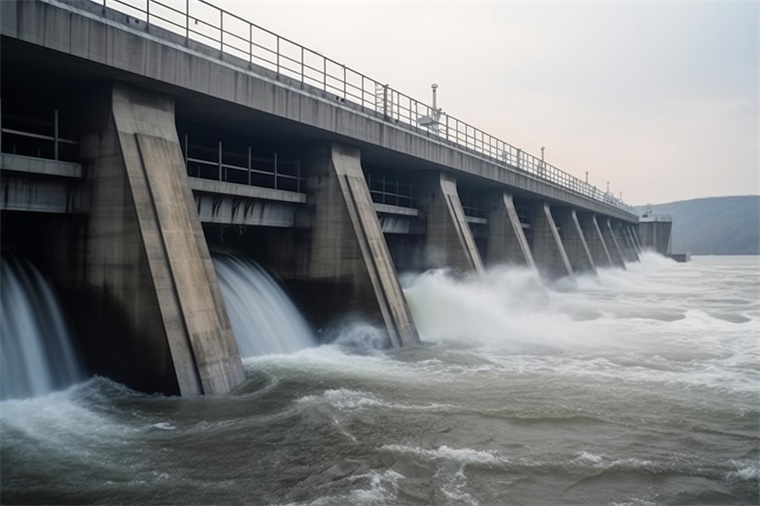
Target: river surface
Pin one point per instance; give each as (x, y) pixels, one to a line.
(641, 387)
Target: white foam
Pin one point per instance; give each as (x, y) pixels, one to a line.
(457, 455)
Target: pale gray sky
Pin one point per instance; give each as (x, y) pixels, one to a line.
(659, 98)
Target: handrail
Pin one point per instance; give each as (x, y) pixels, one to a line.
(288, 58)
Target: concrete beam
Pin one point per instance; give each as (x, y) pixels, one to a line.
(348, 248)
(548, 251)
(29, 193)
(575, 243)
(39, 166)
(595, 241)
(448, 237)
(635, 234)
(148, 270)
(613, 247)
(507, 243)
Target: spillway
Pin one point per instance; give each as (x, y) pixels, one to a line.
(38, 356)
(264, 319)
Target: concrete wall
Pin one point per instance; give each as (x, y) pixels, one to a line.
(154, 294)
(448, 238)
(548, 251)
(507, 243)
(623, 242)
(348, 248)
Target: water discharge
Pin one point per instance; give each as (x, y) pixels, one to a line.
(37, 353)
(639, 387)
(264, 319)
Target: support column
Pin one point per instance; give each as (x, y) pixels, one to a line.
(574, 242)
(157, 317)
(349, 254)
(612, 244)
(595, 241)
(507, 243)
(548, 251)
(448, 240)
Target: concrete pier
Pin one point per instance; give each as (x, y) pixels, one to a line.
(507, 243)
(448, 238)
(548, 251)
(655, 233)
(595, 240)
(147, 265)
(613, 247)
(348, 249)
(574, 242)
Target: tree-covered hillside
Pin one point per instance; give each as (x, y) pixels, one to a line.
(714, 225)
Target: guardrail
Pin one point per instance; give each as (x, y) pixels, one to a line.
(200, 21)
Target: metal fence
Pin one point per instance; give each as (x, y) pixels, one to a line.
(200, 21)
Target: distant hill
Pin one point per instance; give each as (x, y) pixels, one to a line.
(714, 225)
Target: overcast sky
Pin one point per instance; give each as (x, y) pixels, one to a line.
(660, 99)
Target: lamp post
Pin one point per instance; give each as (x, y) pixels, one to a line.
(586, 177)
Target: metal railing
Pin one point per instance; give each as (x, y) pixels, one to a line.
(390, 191)
(39, 138)
(200, 21)
(233, 166)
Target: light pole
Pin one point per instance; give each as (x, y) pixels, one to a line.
(586, 177)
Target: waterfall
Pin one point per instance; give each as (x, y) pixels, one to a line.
(265, 321)
(37, 354)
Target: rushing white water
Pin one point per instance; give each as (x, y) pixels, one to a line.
(37, 353)
(636, 388)
(265, 321)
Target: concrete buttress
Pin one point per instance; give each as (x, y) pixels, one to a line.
(507, 243)
(548, 251)
(448, 238)
(348, 247)
(595, 240)
(612, 244)
(146, 264)
(574, 242)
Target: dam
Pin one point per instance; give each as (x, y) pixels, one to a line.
(139, 139)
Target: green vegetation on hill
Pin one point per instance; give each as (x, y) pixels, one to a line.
(714, 225)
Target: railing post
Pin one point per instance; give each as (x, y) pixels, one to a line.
(221, 30)
(275, 171)
(55, 136)
(250, 44)
(385, 101)
(345, 94)
(147, 13)
(324, 73)
(187, 21)
(220, 160)
(302, 65)
(278, 54)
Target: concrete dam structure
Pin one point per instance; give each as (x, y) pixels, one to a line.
(139, 138)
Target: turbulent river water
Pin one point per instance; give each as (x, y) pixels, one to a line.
(639, 387)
